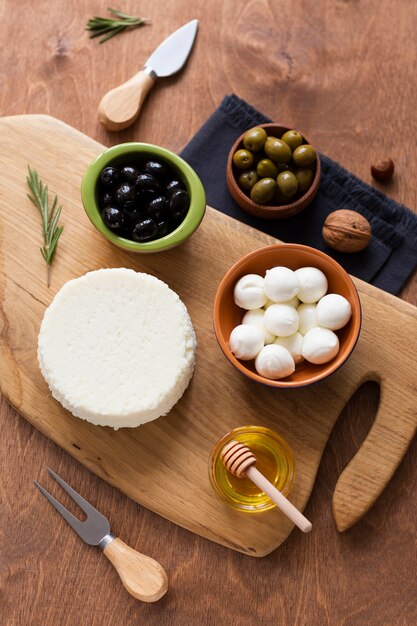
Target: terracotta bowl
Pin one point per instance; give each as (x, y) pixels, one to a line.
(227, 315)
(270, 212)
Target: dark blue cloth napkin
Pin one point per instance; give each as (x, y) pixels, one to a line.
(387, 262)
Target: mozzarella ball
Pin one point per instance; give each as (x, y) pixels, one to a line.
(274, 362)
(249, 292)
(256, 318)
(281, 320)
(320, 345)
(281, 284)
(246, 341)
(313, 284)
(293, 302)
(308, 317)
(294, 345)
(333, 311)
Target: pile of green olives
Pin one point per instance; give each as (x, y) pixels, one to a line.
(274, 170)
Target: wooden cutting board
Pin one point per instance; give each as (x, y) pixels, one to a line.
(163, 465)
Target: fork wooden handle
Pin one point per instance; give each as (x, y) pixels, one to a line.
(143, 577)
(120, 107)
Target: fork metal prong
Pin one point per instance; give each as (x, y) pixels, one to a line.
(75, 523)
(82, 503)
(92, 530)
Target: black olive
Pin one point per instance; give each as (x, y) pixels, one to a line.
(174, 185)
(133, 217)
(130, 173)
(110, 176)
(145, 197)
(163, 228)
(160, 203)
(125, 195)
(107, 199)
(113, 217)
(142, 201)
(147, 182)
(145, 230)
(154, 214)
(131, 207)
(178, 204)
(157, 207)
(157, 169)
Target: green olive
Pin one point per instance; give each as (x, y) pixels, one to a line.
(305, 178)
(267, 169)
(304, 155)
(243, 159)
(279, 197)
(254, 139)
(248, 179)
(277, 150)
(263, 191)
(292, 138)
(287, 184)
(282, 167)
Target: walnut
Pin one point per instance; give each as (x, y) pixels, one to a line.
(347, 231)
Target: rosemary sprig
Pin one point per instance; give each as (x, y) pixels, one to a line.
(49, 215)
(109, 26)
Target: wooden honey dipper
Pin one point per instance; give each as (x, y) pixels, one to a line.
(240, 462)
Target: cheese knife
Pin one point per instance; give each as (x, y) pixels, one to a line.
(120, 107)
(144, 578)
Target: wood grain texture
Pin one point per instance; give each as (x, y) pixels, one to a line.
(163, 464)
(341, 71)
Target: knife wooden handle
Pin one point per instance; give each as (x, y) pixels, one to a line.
(120, 106)
(143, 577)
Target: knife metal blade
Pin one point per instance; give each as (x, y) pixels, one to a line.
(171, 55)
(120, 106)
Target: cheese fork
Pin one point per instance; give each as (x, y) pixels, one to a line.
(144, 578)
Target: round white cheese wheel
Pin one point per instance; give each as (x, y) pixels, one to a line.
(117, 347)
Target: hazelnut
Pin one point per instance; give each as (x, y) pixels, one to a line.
(382, 170)
(347, 231)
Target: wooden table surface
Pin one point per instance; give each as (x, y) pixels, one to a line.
(343, 71)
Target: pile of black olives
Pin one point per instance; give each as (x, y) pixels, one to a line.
(142, 201)
(274, 170)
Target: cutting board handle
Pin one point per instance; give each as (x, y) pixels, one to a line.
(368, 473)
(144, 578)
(120, 106)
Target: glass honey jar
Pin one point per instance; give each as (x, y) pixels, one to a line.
(275, 461)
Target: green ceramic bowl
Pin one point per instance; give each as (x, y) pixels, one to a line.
(121, 153)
